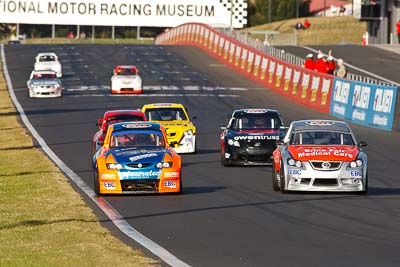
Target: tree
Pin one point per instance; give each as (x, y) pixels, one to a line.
(280, 10)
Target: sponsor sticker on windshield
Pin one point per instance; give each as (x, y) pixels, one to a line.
(136, 125)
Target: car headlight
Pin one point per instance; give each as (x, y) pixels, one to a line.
(161, 165)
(357, 163)
(296, 163)
(188, 132)
(233, 143)
(114, 166)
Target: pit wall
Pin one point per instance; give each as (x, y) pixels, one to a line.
(362, 103)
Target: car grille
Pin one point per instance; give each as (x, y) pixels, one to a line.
(139, 165)
(144, 185)
(325, 182)
(127, 89)
(326, 165)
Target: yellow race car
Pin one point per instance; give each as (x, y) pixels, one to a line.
(181, 132)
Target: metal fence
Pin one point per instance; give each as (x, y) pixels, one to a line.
(267, 46)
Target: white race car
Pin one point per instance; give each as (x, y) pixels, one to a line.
(126, 80)
(48, 61)
(44, 83)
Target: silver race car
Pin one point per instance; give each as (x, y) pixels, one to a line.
(320, 155)
(48, 61)
(44, 83)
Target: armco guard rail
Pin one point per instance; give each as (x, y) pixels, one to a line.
(368, 104)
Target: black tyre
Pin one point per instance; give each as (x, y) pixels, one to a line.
(282, 179)
(275, 184)
(96, 184)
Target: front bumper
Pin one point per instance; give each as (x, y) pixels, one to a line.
(45, 92)
(341, 180)
(169, 182)
(249, 156)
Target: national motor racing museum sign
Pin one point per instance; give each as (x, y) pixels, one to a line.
(152, 13)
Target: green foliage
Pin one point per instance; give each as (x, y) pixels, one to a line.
(260, 12)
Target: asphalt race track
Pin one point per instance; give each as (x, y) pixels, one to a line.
(227, 216)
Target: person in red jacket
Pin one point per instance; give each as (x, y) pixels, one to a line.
(321, 65)
(309, 63)
(398, 31)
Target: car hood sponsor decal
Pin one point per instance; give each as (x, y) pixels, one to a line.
(254, 135)
(334, 153)
(44, 82)
(138, 155)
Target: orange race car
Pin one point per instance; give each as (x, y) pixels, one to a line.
(136, 158)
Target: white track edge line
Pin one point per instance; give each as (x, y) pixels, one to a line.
(357, 68)
(106, 207)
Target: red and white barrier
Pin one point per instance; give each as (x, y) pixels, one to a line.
(303, 86)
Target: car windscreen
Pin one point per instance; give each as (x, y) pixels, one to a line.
(137, 138)
(46, 58)
(269, 121)
(126, 72)
(121, 118)
(165, 114)
(47, 76)
(321, 138)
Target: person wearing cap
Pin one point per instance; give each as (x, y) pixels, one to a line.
(309, 63)
(321, 65)
(341, 72)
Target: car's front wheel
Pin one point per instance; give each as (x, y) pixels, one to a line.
(282, 179)
(275, 178)
(96, 184)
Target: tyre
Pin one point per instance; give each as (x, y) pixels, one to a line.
(224, 161)
(96, 184)
(282, 179)
(275, 182)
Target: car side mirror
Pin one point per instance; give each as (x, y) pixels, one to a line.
(279, 142)
(98, 123)
(362, 143)
(223, 127)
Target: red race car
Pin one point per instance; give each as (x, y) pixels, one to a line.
(111, 117)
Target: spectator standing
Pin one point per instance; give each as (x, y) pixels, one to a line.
(398, 31)
(331, 63)
(309, 63)
(321, 65)
(341, 72)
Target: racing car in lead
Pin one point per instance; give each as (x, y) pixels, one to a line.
(48, 61)
(44, 83)
(126, 80)
(250, 137)
(320, 155)
(136, 158)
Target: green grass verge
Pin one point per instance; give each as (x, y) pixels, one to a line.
(43, 221)
(323, 30)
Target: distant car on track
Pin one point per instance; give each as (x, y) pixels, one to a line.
(126, 80)
(48, 61)
(136, 158)
(250, 137)
(44, 83)
(181, 132)
(110, 117)
(320, 155)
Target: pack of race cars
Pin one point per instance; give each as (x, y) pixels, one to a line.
(137, 151)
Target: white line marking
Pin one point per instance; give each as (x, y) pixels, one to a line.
(162, 88)
(152, 95)
(359, 69)
(106, 207)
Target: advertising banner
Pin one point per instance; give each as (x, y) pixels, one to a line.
(367, 104)
(150, 13)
